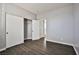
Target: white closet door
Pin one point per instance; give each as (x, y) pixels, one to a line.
(35, 29)
(14, 30)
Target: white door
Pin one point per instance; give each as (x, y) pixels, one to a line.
(14, 30)
(35, 29)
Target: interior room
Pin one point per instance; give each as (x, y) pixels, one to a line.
(39, 28)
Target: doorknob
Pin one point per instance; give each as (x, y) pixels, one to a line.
(6, 32)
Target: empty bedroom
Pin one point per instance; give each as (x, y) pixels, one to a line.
(39, 28)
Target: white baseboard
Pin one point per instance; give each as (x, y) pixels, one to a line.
(36, 38)
(65, 44)
(75, 50)
(27, 38)
(15, 44)
(59, 42)
(2, 49)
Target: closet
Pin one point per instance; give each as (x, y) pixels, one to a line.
(27, 29)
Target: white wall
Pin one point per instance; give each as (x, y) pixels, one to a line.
(59, 25)
(76, 33)
(15, 10)
(41, 28)
(2, 36)
(0, 25)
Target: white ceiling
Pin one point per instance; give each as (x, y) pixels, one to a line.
(40, 7)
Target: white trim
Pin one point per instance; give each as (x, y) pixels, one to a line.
(15, 45)
(60, 42)
(65, 44)
(76, 50)
(36, 39)
(27, 38)
(2, 49)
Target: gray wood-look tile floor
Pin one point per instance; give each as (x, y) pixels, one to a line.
(37, 47)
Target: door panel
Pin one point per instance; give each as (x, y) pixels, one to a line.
(14, 30)
(35, 29)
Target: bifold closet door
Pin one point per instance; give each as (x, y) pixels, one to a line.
(14, 30)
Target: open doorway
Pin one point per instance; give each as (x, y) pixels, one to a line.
(27, 29)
